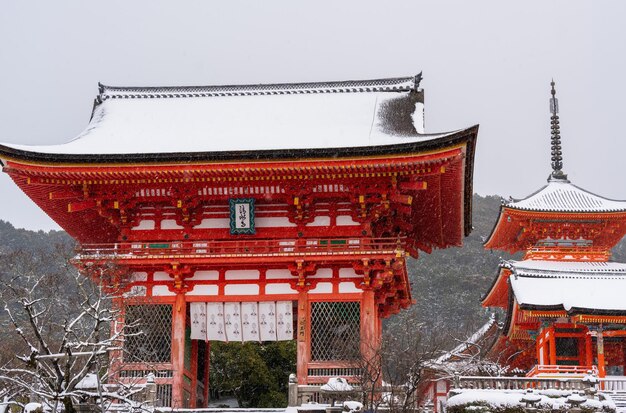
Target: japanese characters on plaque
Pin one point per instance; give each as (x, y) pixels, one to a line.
(242, 216)
(247, 321)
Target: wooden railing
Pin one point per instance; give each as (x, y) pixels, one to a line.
(388, 396)
(613, 383)
(517, 383)
(589, 253)
(243, 248)
(563, 382)
(547, 369)
(307, 393)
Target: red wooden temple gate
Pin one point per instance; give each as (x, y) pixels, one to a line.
(243, 200)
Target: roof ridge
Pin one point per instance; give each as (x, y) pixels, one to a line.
(562, 195)
(395, 84)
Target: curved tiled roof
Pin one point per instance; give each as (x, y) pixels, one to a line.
(576, 287)
(563, 268)
(280, 119)
(562, 196)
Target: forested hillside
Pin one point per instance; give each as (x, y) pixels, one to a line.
(448, 284)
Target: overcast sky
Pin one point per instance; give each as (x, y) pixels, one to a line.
(484, 62)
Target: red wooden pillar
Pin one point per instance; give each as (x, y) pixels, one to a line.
(303, 346)
(370, 339)
(178, 349)
(552, 342)
(600, 345)
(588, 350)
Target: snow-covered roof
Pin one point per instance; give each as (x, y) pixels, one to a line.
(223, 119)
(473, 340)
(562, 196)
(596, 287)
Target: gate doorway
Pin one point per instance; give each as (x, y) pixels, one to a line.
(239, 353)
(251, 374)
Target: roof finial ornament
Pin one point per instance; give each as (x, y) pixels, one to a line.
(557, 154)
(417, 80)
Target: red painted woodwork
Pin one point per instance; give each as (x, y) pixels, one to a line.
(302, 337)
(102, 203)
(178, 349)
(518, 230)
(365, 213)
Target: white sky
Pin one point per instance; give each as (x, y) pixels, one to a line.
(485, 62)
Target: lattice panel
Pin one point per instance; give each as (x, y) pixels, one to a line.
(150, 341)
(144, 373)
(335, 330)
(164, 395)
(336, 372)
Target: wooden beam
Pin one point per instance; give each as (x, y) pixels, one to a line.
(401, 199)
(413, 186)
(64, 194)
(81, 205)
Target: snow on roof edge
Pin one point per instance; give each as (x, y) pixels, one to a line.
(472, 340)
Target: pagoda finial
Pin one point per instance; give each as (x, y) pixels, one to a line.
(557, 154)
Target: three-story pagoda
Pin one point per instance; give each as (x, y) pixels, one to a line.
(565, 300)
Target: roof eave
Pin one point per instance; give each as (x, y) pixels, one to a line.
(489, 243)
(469, 178)
(467, 136)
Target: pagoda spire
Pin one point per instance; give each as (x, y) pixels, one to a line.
(557, 154)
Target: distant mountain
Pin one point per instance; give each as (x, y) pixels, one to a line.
(13, 239)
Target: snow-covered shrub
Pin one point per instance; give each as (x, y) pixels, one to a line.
(497, 401)
(33, 408)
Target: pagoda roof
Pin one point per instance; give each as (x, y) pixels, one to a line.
(560, 195)
(277, 121)
(559, 200)
(576, 287)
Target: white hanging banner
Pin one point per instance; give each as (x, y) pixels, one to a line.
(215, 322)
(247, 321)
(284, 320)
(232, 321)
(197, 313)
(250, 321)
(267, 320)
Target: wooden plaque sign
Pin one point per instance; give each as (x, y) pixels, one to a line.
(242, 216)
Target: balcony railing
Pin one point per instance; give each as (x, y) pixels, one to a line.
(551, 370)
(244, 248)
(560, 382)
(613, 383)
(585, 253)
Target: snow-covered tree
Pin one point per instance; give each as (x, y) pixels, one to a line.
(391, 372)
(62, 320)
